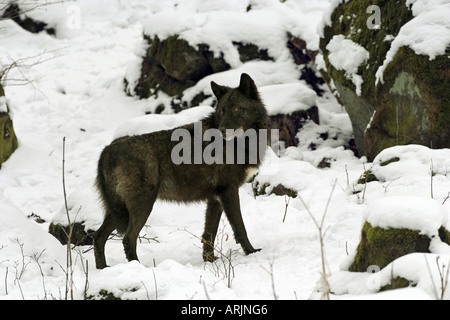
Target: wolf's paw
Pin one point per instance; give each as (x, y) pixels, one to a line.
(247, 252)
(209, 257)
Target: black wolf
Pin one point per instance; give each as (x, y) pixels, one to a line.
(134, 171)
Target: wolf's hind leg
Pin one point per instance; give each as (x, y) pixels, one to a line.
(139, 211)
(100, 237)
(213, 213)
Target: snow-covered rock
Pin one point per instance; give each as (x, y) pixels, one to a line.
(390, 66)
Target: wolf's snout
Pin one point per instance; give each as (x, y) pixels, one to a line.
(229, 134)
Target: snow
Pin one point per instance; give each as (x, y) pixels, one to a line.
(411, 266)
(78, 93)
(157, 122)
(423, 214)
(326, 17)
(287, 98)
(3, 104)
(348, 56)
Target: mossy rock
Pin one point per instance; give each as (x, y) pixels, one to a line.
(279, 190)
(367, 177)
(79, 237)
(8, 139)
(14, 13)
(172, 65)
(102, 295)
(249, 52)
(288, 125)
(413, 103)
(379, 247)
(397, 283)
(306, 59)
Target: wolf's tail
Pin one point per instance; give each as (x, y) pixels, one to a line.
(112, 203)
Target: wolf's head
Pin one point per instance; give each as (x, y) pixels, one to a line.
(239, 108)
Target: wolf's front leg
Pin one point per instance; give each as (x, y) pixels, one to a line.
(231, 205)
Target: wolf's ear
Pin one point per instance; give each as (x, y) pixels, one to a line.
(218, 90)
(247, 87)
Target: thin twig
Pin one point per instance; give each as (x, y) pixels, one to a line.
(206, 291)
(6, 281)
(286, 204)
(156, 284)
(69, 262)
(36, 258)
(431, 277)
(446, 198)
(146, 291)
(322, 236)
(272, 278)
(432, 174)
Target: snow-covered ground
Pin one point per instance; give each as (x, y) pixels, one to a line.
(73, 88)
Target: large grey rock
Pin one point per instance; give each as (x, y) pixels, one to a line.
(412, 103)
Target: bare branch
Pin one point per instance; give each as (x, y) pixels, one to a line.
(322, 233)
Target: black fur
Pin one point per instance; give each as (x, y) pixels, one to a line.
(135, 171)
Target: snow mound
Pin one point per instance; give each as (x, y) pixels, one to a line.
(401, 161)
(287, 98)
(158, 122)
(403, 212)
(84, 207)
(423, 270)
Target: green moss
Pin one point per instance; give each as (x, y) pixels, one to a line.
(413, 105)
(432, 80)
(380, 246)
(350, 19)
(367, 177)
(385, 163)
(8, 139)
(397, 283)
